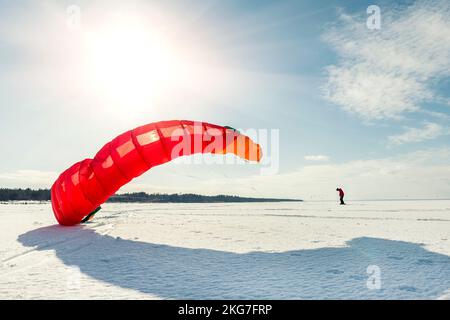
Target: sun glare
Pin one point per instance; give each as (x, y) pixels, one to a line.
(131, 64)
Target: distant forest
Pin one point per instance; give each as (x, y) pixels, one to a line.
(24, 194)
(44, 195)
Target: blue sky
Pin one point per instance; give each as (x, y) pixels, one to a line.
(364, 109)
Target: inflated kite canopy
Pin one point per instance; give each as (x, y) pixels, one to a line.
(81, 189)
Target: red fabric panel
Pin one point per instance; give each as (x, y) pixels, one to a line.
(87, 184)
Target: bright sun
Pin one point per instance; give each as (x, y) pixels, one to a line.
(131, 64)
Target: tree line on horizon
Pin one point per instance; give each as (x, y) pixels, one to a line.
(24, 194)
(44, 195)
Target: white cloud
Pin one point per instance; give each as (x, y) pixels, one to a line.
(317, 158)
(27, 179)
(417, 175)
(428, 132)
(385, 73)
(420, 174)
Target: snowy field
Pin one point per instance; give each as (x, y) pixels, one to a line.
(311, 250)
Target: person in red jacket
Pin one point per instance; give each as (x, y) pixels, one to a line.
(341, 195)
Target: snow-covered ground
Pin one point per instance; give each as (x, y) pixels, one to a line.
(310, 250)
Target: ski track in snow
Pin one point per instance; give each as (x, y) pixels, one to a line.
(310, 250)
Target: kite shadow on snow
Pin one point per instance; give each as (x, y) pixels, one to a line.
(407, 270)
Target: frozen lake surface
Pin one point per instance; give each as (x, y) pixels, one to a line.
(310, 250)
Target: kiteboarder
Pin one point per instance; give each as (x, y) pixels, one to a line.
(341, 195)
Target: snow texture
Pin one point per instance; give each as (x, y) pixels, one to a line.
(310, 250)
